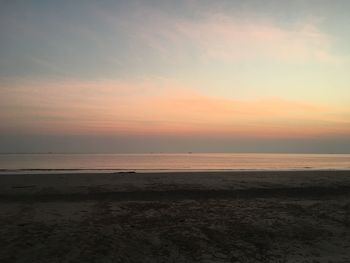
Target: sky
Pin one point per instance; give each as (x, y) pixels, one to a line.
(175, 76)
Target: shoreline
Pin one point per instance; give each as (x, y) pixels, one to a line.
(321, 193)
(34, 171)
(197, 185)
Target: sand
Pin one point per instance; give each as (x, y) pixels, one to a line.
(299, 216)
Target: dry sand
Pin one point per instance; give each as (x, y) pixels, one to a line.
(176, 217)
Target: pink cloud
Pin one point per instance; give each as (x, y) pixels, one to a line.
(220, 37)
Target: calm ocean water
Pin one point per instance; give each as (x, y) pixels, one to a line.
(152, 162)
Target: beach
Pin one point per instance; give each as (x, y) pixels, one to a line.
(175, 131)
(231, 216)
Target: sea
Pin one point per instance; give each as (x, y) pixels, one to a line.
(152, 162)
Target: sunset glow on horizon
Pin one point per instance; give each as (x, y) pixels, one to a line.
(185, 72)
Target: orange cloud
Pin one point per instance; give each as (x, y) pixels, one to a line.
(159, 108)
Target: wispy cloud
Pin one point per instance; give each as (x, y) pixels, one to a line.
(221, 37)
(224, 38)
(215, 34)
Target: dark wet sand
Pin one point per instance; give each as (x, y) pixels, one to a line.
(176, 217)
